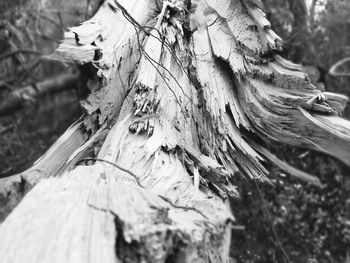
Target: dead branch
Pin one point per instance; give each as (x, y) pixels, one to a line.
(56, 84)
(333, 71)
(13, 53)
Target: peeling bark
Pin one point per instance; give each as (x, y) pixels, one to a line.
(182, 89)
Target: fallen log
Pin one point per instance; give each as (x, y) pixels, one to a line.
(17, 98)
(181, 92)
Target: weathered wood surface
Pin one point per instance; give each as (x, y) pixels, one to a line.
(180, 91)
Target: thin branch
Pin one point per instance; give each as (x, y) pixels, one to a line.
(142, 28)
(152, 61)
(129, 18)
(115, 165)
(126, 14)
(163, 41)
(140, 185)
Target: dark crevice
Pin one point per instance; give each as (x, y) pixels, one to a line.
(98, 55)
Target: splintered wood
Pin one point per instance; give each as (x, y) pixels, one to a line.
(181, 93)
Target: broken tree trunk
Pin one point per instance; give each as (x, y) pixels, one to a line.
(185, 92)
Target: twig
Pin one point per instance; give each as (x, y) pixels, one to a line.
(162, 41)
(125, 13)
(129, 18)
(139, 184)
(151, 60)
(115, 165)
(154, 63)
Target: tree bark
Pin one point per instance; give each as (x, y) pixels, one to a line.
(181, 92)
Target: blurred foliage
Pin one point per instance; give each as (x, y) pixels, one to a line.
(311, 224)
(290, 221)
